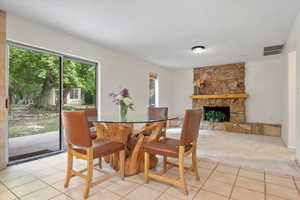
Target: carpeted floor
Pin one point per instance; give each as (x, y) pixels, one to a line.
(254, 151)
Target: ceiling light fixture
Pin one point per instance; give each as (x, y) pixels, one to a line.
(198, 49)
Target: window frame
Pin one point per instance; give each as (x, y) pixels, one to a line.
(154, 76)
(62, 57)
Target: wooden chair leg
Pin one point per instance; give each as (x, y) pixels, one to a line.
(165, 163)
(146, 169)
(181, 170)
(122, 164)
(89, 172)
(100, 162)
(194, 162)
(69, 167)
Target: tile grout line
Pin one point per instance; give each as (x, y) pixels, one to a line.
(60, 192)
(280, 186)
(124, 196)
(276, 184)
(104, 188)
(296, 185)
(216, 181)
(162, 193)
(212, 171)
(113, 193)
(10, 190)
(252, 190)
(265, 186)
(233, 185)
(64, 193)
(40, 179)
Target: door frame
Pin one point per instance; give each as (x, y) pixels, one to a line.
(61, 63)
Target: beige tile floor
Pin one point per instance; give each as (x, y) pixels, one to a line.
(244, 167)
(44, 178)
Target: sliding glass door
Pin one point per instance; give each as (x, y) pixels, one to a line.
(41, 85)
(34, 114)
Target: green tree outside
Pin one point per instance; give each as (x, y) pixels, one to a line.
(32, 76)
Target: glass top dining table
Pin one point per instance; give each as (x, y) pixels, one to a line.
(130, 119)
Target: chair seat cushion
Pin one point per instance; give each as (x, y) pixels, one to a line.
(166, 147)
(103, 148)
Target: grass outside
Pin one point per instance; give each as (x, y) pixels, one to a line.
(37, 126)
(33, 127)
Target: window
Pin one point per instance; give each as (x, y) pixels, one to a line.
(153, 90)
(74, 93)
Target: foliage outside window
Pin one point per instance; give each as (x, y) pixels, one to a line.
(34, 75)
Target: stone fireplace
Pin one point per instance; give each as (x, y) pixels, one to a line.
(218, 85)
(222, 88)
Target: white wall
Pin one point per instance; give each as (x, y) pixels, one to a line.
(264, 84)
(293, 45)
(297, 30)
(117, 69)
(290, 56)
(182, 88)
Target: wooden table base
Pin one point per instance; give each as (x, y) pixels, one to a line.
(133, 140)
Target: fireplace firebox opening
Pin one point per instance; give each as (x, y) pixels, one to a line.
(217, 113)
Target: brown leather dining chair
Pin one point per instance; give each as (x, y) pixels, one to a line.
(158, 113)
(176, 149)
(83, 147)
(90, 112)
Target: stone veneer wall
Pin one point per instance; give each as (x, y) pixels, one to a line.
(227, 79)
(221, 79)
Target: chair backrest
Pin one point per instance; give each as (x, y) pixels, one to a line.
(76, 128)
(157, 113)
(191, 125)
(90, 112)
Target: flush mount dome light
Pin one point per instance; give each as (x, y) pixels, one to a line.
(198, 49)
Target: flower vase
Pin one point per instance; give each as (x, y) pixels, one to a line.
(123, 112)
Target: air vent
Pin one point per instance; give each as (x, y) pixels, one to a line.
(273, 50)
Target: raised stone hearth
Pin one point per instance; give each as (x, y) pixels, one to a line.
(246, 127)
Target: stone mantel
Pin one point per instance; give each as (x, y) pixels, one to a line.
(221, 96)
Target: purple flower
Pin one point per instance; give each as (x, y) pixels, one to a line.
(124, 92)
